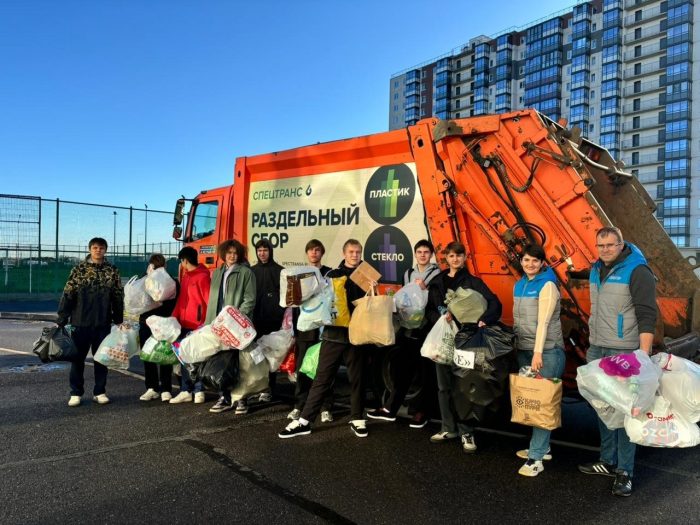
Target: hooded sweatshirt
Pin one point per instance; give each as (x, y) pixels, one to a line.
(268, 313)
(191, 307)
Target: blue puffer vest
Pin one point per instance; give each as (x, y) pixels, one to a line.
(525, 308)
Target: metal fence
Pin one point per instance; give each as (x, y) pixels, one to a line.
(42, 239)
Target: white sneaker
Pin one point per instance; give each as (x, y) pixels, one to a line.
(443, 436)
(74, 401)
(101, 399)
(165, 396)
(265, 397)
(199, 398)
(326, 416)
(531, 468)
(150, 395)
(182, 397)
(468, 443)
(294, 414)
(524, 454)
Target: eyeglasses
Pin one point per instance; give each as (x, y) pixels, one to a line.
(607, 246)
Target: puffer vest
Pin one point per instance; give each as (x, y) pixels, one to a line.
(613, 322)
(526, 298)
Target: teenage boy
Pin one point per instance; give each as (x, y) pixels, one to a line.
(336, 347)
(92, 300)
(407, 359)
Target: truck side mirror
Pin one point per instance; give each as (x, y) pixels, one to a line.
(177, 233)
(179, 213)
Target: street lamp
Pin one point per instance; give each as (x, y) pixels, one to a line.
(114, 233)
(145, 233)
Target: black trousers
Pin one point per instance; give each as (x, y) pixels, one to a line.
(88, 338)
(406, 361)
(330, 357)
(158, 377)
(304, 382)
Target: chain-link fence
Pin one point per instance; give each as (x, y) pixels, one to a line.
(42, 239)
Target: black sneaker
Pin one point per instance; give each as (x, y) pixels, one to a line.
(622, 486)
(359, 427)
(419, 420)
(295, 429)
(598, 467)
(382, 414)
(222, 405)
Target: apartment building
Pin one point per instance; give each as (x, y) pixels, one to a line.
(620, 70)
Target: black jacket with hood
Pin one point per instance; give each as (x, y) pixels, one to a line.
(268, 314)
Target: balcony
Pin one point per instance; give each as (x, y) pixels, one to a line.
(631, 4)
(411, 102)
(645, 123)
(583, 66)
(644, 16)
(633, 72)
(644, 34)
(647, 176)
(411, 116)
(644, 87)
(612, 4)
(610, 110)
(609, 75)
(413, 77)
(645, 160)
(642, 106)
(584, 13)
(411, 91)
(643, 142)
(645, 52)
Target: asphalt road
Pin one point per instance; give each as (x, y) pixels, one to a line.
(135, 462)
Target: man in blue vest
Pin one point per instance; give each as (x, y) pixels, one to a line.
(623, 317)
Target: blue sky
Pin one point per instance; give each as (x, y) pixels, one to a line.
(126, 102)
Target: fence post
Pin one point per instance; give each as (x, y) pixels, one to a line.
(39, 247)
(57, 231)
(131, 217)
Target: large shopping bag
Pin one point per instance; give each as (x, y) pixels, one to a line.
(310, 362)
(536, 402)
(371, 322)
(233, 328)
(662, 426)
(116, 349)
(136, 299)
(486, 349)
(164, 328)
(316, 311)
(410, 302)
(219, 372)
(198, 346)
(439, 345)
(159, 285)
(276, 345)
(55, 344)
(298, 284)
(465, 304)
(254, 376)
(158, 352)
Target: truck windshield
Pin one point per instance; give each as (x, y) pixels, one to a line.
(204, 221)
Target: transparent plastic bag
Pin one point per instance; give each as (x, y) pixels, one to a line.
(465, 304)
(316, 312)
(118, 347)
(233, 328)
(439, 345)
(159, 285)
(136, 299)
(680, 384)
(298, 284)
(158, 352)
(254, 377)
(198, 346)
(410, 302)
(310, 363)
(662, 426)
(276, 345)
(164, 328)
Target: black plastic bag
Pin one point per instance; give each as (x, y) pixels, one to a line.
(220, 372)
(41, 345)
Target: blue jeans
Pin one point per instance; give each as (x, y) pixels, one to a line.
(553, 361)
(615, 445)
(186, 383)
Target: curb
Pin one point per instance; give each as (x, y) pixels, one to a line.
(29, 316)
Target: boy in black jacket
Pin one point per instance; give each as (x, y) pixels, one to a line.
(336, 347)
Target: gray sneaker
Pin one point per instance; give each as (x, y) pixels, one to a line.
(326, 416)
(468, 443)
(443, 436)
(294, 414)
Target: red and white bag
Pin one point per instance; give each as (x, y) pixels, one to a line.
(233, 328)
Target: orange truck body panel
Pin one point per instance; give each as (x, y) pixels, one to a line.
(493, 182)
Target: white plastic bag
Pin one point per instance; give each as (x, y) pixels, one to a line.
(662, 426)
(439, 345)
(164, 328)
(680, 384)
(159, 285)
(136, 299)
(297, 284)
(198, 346)
(627, 382)
(410, 304)
(254, 377)
(316, 312)
(276, 345)
(116, 349)
(233, 328)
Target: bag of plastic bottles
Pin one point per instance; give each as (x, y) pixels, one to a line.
(680, 384)
(136, 299)
(627, 382)
(439, 345)
(198, 346)
(410, 302)
(276, 345)
(159, 285)
(254, 377)
(119, 346)
(164, 328)
(233, 328)
(662, 426)
(159, 352)
(298, 284)
(465, 304)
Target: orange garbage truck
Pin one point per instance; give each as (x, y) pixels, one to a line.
(494, 183)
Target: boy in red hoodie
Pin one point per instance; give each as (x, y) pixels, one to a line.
(190, 311)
